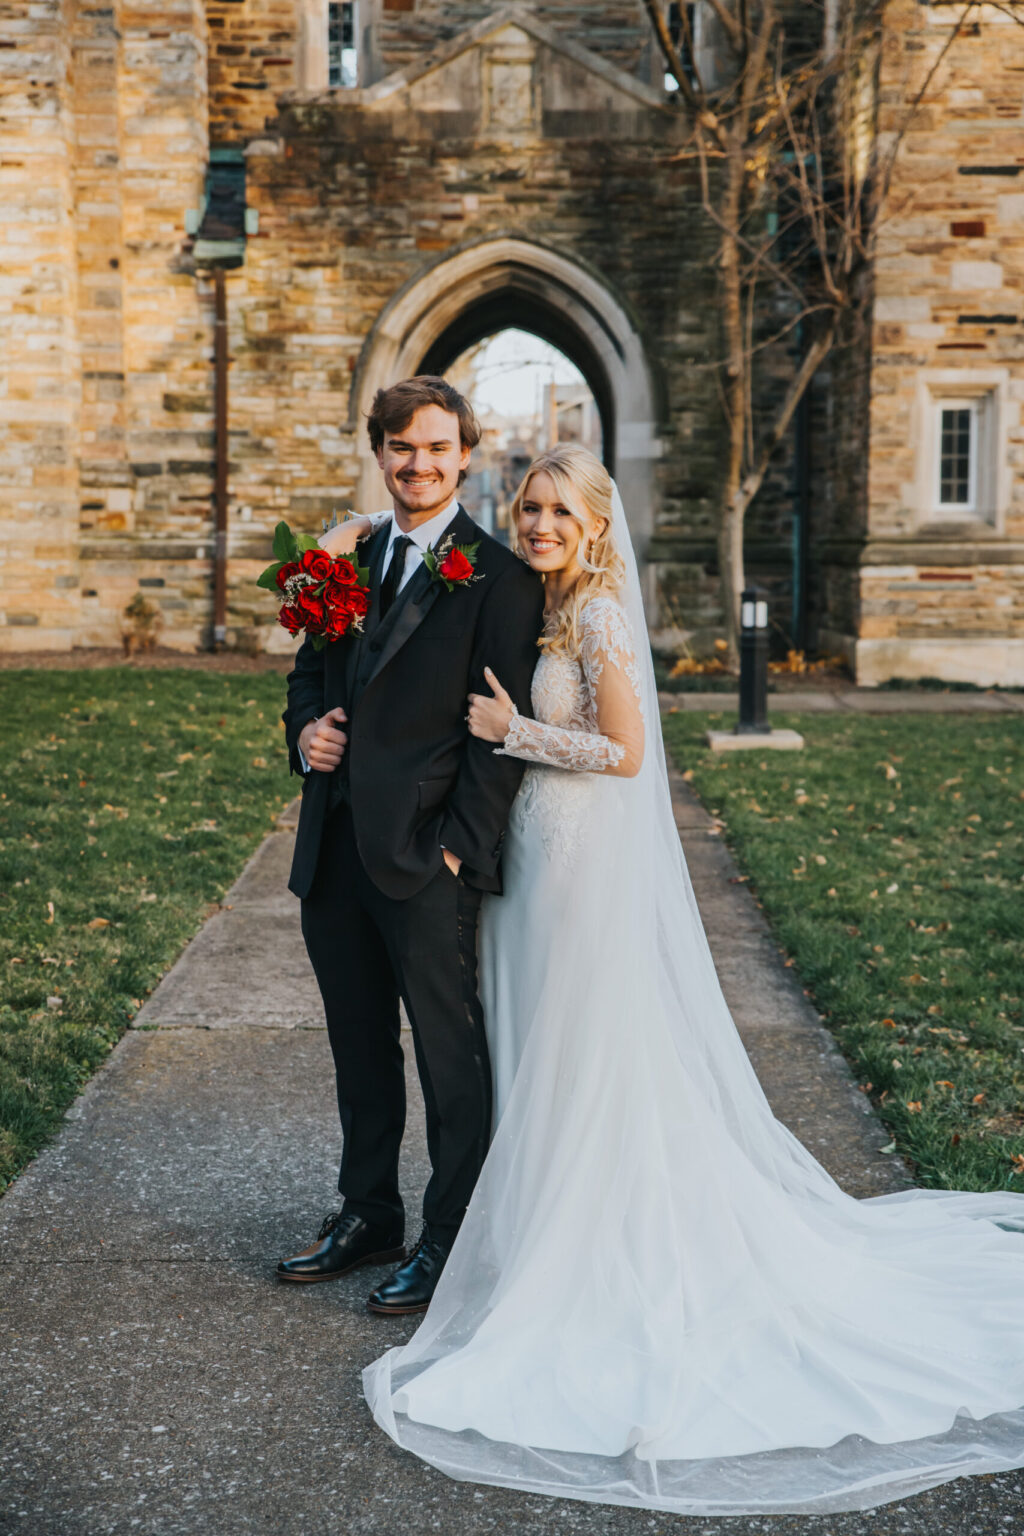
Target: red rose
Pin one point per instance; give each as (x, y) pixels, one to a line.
(357, 601)
(292, 620)
(343, 572)
(311, 604)
(286, 571)
(338, 622)
(455, 566)
(317, 562)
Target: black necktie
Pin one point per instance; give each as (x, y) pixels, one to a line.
(393, 575)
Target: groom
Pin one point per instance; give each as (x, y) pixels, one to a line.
(403, 815)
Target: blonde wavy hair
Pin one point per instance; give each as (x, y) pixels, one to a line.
(584, 486)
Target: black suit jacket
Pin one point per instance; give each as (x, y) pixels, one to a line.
(415, 778)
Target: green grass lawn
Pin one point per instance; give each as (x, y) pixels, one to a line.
(889, 859)
(130, 801)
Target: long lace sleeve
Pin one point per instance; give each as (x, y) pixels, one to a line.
(612, 681)
(375, 519)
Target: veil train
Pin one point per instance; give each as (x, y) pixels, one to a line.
(658, 1297)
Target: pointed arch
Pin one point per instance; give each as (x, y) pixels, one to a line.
(481, 288)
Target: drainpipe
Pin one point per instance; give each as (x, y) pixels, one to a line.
(220, 489)
(801, 514)
(219, 228)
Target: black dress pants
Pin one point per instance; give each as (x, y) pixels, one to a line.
(368, 951)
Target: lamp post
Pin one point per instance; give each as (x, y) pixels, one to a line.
(753, 663)
(752, 729)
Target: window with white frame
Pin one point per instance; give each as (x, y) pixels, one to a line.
(962, 452)
(342, 51)
(956, 441)
(690, 37)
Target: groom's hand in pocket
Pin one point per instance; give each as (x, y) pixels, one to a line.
(323, 741)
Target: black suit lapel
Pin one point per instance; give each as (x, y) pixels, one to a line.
(376, 551)
(419, 596)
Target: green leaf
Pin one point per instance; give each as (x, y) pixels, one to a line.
(268, 578)
(304, 541)
(284, 544)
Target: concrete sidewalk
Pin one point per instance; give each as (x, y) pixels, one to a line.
(157, 1380)
(846, 699)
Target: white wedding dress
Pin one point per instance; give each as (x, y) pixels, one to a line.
(658, 1297)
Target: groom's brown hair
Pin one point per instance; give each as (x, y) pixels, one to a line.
(394, 408)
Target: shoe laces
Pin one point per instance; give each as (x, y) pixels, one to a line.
(336, 1219)
(428, 1246)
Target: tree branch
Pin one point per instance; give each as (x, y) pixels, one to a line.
(816, 353)
(673, 62)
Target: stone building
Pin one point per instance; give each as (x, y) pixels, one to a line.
(390, 181)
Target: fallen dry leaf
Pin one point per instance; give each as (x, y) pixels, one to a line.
(99, 922)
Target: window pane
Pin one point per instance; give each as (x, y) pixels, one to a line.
(341, 44)
(955, 457)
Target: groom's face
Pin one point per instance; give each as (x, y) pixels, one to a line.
(421, 463)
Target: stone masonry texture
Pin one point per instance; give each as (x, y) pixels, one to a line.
(553, 133)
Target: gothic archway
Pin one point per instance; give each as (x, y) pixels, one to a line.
(483, 288)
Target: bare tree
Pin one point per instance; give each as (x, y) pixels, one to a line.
(779, 97)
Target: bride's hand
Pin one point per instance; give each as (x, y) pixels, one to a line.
(343, 539)
(490, 718)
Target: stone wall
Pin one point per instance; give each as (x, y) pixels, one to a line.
(39, 343)
(254, 55)
(401, 31)
(358, 199)
(106, 457)
(936, 596)
(146, 469)
(106, 461)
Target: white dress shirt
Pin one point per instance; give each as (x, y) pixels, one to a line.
(423, 536)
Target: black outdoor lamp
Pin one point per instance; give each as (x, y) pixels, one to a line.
(753, 662)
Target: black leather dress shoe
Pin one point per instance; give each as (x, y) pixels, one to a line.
(412, 1285)
(342, 1244)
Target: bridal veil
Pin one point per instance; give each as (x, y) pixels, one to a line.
(658, 1297)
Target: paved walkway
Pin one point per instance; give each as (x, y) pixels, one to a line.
(843, 698)
(157, 1380)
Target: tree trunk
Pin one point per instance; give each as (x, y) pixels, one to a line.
(733, 502)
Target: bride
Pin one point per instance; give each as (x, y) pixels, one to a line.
(658, 1298)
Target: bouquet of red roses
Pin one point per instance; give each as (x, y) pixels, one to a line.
(326, 595)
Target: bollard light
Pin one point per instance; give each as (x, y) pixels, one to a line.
(753, 663)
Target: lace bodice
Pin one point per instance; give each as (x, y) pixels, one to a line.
(588, 717)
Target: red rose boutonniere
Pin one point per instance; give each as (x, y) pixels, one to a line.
(324, 595)
(454, 564)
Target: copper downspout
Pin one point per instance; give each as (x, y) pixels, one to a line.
(220, 487)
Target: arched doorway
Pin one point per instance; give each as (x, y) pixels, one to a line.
(505, 282)
(506, 310)
(527, 395)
